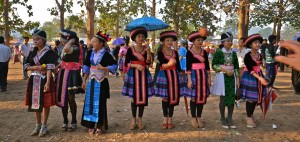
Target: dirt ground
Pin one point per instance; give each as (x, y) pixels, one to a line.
(16, 123)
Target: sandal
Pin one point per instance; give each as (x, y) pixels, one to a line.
(170, 126)
(132, 126)
(141, 126)
(253, 125)
(64, 127)
(200, 123)
(43, 131)
(165, 125)
(194, 123)
(72, 127)
(36, 130)
(91, 131)
(98, 132)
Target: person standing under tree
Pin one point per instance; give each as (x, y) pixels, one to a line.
(168, 83)
(24, 51)
(5, 55)
(226, 65)
(96, 67)
(138, 83)
(242, 51)
(198, 77)
(271, 69)
(40, 94)
(253, 84)
(68, 79)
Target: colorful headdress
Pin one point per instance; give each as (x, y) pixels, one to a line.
(40, 33)
(252, 38)
(137, 31)
(67, 34)
(194, 35)
(225, 36)
(103, 36)
(166, 34)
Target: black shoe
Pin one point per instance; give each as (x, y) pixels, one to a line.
(3, 89)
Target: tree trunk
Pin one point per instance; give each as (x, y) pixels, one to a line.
(62, 14)
(274, 26)
(153, 33)
(279, 19)
(7, 30)
(241, 23)
(176, 21)
(246, 20)
(90, 21)
(117, 24)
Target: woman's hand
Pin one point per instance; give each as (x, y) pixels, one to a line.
(263, 81)
(47, 87)
(100, 67)
(83, 85)
(140, 68)
(229, 72)
(172, 62)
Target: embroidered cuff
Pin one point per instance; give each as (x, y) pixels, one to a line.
(85, 69)
(26, 66)
(112, 69)
(217, 68)
(50, 66)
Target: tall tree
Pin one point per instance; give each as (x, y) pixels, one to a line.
(12, 20)
(90, 6)
(60, 9)
(276, 13)
(7, 35)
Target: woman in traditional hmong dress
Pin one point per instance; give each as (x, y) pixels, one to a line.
(198, 77)
(225, 63)
(253, 84)
(138, 83)
(122, 54)
(182, 53)
(96, 68)
(168, 81)
(68, 79)
(40, 95)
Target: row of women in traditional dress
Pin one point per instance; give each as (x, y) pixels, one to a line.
(138, 84)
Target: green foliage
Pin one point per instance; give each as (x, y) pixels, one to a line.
(265, 12)
(111, 10)
(51, 28)
(66, 4)
(15, 22)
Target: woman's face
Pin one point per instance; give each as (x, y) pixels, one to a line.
(227, 43)
(255, 45)
(97, 44)
(168, 42)
(140, 38)
(198, 42)
(38, 42)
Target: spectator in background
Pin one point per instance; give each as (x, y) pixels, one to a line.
(116, 56)
(58, 50)
(5, 55)
(263, 51)
(270, 62)
(242, 51)
(16, 54)
(24, 51)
